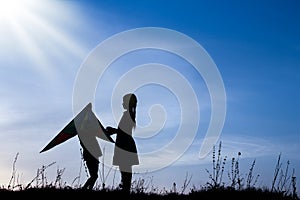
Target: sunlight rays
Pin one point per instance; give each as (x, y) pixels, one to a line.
(35, 28)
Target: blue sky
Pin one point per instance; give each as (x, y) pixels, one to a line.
(255, 46)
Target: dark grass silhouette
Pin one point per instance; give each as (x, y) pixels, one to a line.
(238, 186)
(224, 193)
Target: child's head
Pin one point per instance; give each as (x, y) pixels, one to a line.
(129, 101)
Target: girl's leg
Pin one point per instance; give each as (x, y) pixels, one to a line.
(126, 177)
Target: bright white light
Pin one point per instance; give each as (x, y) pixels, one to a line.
(36, 29)
(12, 9)
(8, 8)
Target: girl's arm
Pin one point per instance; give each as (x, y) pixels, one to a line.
(111, 130)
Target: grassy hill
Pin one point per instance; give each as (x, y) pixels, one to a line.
(237, 187)
(69, 193)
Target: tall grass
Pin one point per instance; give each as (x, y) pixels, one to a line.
(283, 183)
(284, 180)
(14, 177)
(218, 165)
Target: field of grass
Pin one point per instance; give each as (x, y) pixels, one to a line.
(224, 193)
(239, 186)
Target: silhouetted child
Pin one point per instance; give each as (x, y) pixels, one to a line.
(125, 152)
(90, 129)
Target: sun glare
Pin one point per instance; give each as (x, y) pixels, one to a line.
(36, 29)
(11, 9)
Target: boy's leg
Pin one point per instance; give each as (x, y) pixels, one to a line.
(92, 166)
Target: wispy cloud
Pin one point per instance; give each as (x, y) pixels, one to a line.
(249, 147)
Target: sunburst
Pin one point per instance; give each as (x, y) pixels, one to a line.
(36, 29)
